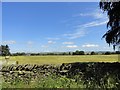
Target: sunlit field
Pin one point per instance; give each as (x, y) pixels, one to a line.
(62, 59)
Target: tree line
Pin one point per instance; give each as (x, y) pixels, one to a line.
(5, 51)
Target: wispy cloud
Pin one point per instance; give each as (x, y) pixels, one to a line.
(77, 34)
(94, 23)
(68, 43)
(9, 42)
(71, 46)
(96, 14)
(51, 42)
(90, 45)
(30, 42)
(52, 38)
(100, 18)
(81, 29)
(44, 46)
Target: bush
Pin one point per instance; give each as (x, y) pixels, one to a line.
(77, 52)
(93, 53)
(107, 53)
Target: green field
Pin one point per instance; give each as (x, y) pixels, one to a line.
(63, 59)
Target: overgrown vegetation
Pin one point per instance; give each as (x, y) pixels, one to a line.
(67, 75)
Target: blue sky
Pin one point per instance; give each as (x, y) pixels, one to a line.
(53, 26)
(0, 22)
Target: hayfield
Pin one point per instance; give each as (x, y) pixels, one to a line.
(63, 59)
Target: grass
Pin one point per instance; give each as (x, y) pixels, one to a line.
(63, 59)
(45, 82)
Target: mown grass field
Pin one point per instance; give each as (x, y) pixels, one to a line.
(63, 59)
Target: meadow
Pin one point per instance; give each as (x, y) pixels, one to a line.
(63, 59)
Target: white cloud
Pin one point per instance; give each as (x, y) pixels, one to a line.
(44, 46)
(90, 45)
(76, 34)
(81, 30)
(107, 48)
(68, 42)
(29, 42)
(96, 14)
(100, 18)
(94, 23)
(71, 46)
(99, 15)
(9, 42)
(51, 42)
(53, 38)
(48, 44)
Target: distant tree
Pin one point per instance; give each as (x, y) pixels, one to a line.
(73, 53)
(5, 50)
(20, 54)
(117, 52)
(81, 53)
(107, 53)
(65, 53)
(0, 50)
(77, 52)
(87, 54)
(92, 53)
(69, 53)
(113, 52)
(112, 36)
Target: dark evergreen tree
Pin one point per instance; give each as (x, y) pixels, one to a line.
(107, 53)
(93, 53)
(5, 50)
(112, 36)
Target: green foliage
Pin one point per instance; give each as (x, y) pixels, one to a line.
(93, 53)
(58, 82)
(19, 54)
(77, 52)
(107, 53)
(112, 36)
(117, 52)
(5, 50)
(51, 81)
(68, 75)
